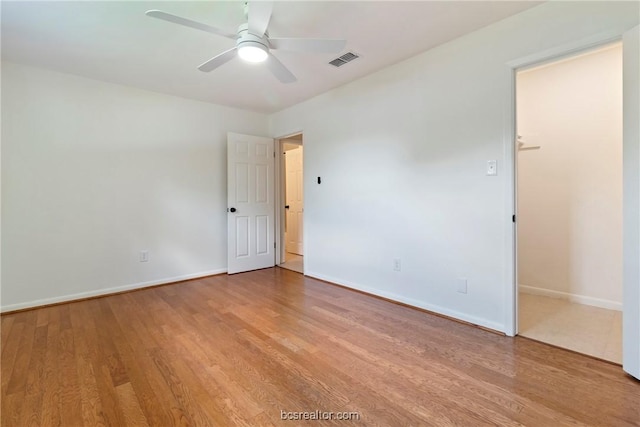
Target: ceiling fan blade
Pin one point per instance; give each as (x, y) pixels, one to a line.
(259, 15)
(218, 60)
(281, 72)
(189, 23)
(308, 45)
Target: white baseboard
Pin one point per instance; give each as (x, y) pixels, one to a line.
(412, 302)
(107, 291)
(580, 299)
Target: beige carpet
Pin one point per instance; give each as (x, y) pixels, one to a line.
(293, 262)
(582, 328)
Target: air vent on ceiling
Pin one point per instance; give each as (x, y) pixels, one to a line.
(347, 57)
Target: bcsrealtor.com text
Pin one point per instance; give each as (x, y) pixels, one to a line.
(319, 415)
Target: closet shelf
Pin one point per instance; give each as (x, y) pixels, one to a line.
(523, 147)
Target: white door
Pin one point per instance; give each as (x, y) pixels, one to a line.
(631, 200)
(294, 204)
(250, 194)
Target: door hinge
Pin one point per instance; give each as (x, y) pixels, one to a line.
(274, 245)
(513, 218)
(274, 154)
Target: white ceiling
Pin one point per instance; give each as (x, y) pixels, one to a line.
(114, 41)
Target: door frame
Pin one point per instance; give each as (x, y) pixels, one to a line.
(510, 155)
(279, 194)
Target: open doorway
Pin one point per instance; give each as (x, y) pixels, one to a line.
(569, 202)
(292, 236)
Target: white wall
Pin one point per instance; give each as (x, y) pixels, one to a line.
(93, 173)
(402, 155)
(631, 197)
(570, 191)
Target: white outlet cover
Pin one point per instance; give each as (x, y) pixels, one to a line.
(492, 167)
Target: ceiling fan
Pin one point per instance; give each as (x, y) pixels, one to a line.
(253, 43)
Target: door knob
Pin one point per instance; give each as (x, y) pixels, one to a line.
(232, 210)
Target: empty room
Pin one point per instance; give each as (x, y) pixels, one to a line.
(164, 262)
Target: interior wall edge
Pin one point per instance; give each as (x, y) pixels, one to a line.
(106, 291)
(455, 315)
(580, 299)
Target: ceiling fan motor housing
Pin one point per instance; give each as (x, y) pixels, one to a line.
(245, 38)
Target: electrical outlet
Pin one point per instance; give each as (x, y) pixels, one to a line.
(462, 286)
(396, 265)
(144, 256)
(492, 167)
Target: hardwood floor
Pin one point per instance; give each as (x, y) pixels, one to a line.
(238, 350)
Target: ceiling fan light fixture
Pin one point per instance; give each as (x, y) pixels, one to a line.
(252, 51)
(253, 43)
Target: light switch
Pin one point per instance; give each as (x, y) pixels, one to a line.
(492, 167)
